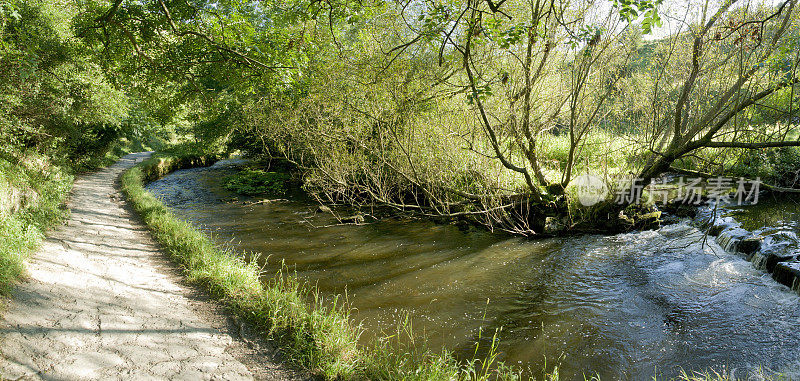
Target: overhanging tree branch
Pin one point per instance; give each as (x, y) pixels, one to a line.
(484, 119)
(247, 59)
(735, 111)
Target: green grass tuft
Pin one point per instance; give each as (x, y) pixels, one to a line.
(320, 338)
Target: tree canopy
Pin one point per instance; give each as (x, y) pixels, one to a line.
(479, 108)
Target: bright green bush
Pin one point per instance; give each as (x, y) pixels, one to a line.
(31, 194)
(775, 166)
(254, 182)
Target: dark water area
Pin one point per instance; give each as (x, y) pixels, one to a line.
(773, 212)
(628, 306)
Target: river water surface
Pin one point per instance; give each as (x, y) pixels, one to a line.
(627, 306)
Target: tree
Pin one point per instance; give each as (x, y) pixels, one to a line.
(738, 58)
(56, 100)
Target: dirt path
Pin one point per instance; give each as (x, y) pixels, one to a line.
(103, 303)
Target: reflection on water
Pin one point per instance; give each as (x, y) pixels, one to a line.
(625, 307)
(776, 211)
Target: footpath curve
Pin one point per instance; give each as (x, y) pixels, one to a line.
(102, 302)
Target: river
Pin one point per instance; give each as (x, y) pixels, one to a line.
(627, 306)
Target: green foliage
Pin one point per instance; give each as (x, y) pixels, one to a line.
(253, 182)
(31, 194)
(59, 114)
(631, 10)
(773, 109)
(505, 37)
(56, 99)
(775, 166)
(17, 242)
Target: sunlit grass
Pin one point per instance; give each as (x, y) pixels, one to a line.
(17, 241)
(601, 153)
(277, 306)
(714, 375)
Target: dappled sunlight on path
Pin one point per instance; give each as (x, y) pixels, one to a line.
(102, 302)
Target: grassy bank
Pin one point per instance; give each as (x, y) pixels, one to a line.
(315, 334)
(31, 193)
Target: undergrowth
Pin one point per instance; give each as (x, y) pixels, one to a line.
(31, 193)
(254, 182)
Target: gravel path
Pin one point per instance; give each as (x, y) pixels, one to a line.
(102, 302)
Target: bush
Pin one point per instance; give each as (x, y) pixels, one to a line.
(31, 193)
(775, 166)
(252, 182)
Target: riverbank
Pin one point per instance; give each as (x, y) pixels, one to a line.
(422, 268)
(317, 336)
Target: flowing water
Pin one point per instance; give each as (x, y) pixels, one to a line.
(628, 306)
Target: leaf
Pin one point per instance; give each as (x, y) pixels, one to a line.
(632, 10)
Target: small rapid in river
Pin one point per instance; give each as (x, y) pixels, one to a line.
(627, 306)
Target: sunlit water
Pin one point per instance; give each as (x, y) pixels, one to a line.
(628, 306)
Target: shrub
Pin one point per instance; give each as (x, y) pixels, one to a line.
(775, 166)
(254, 182)
(32, 191)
